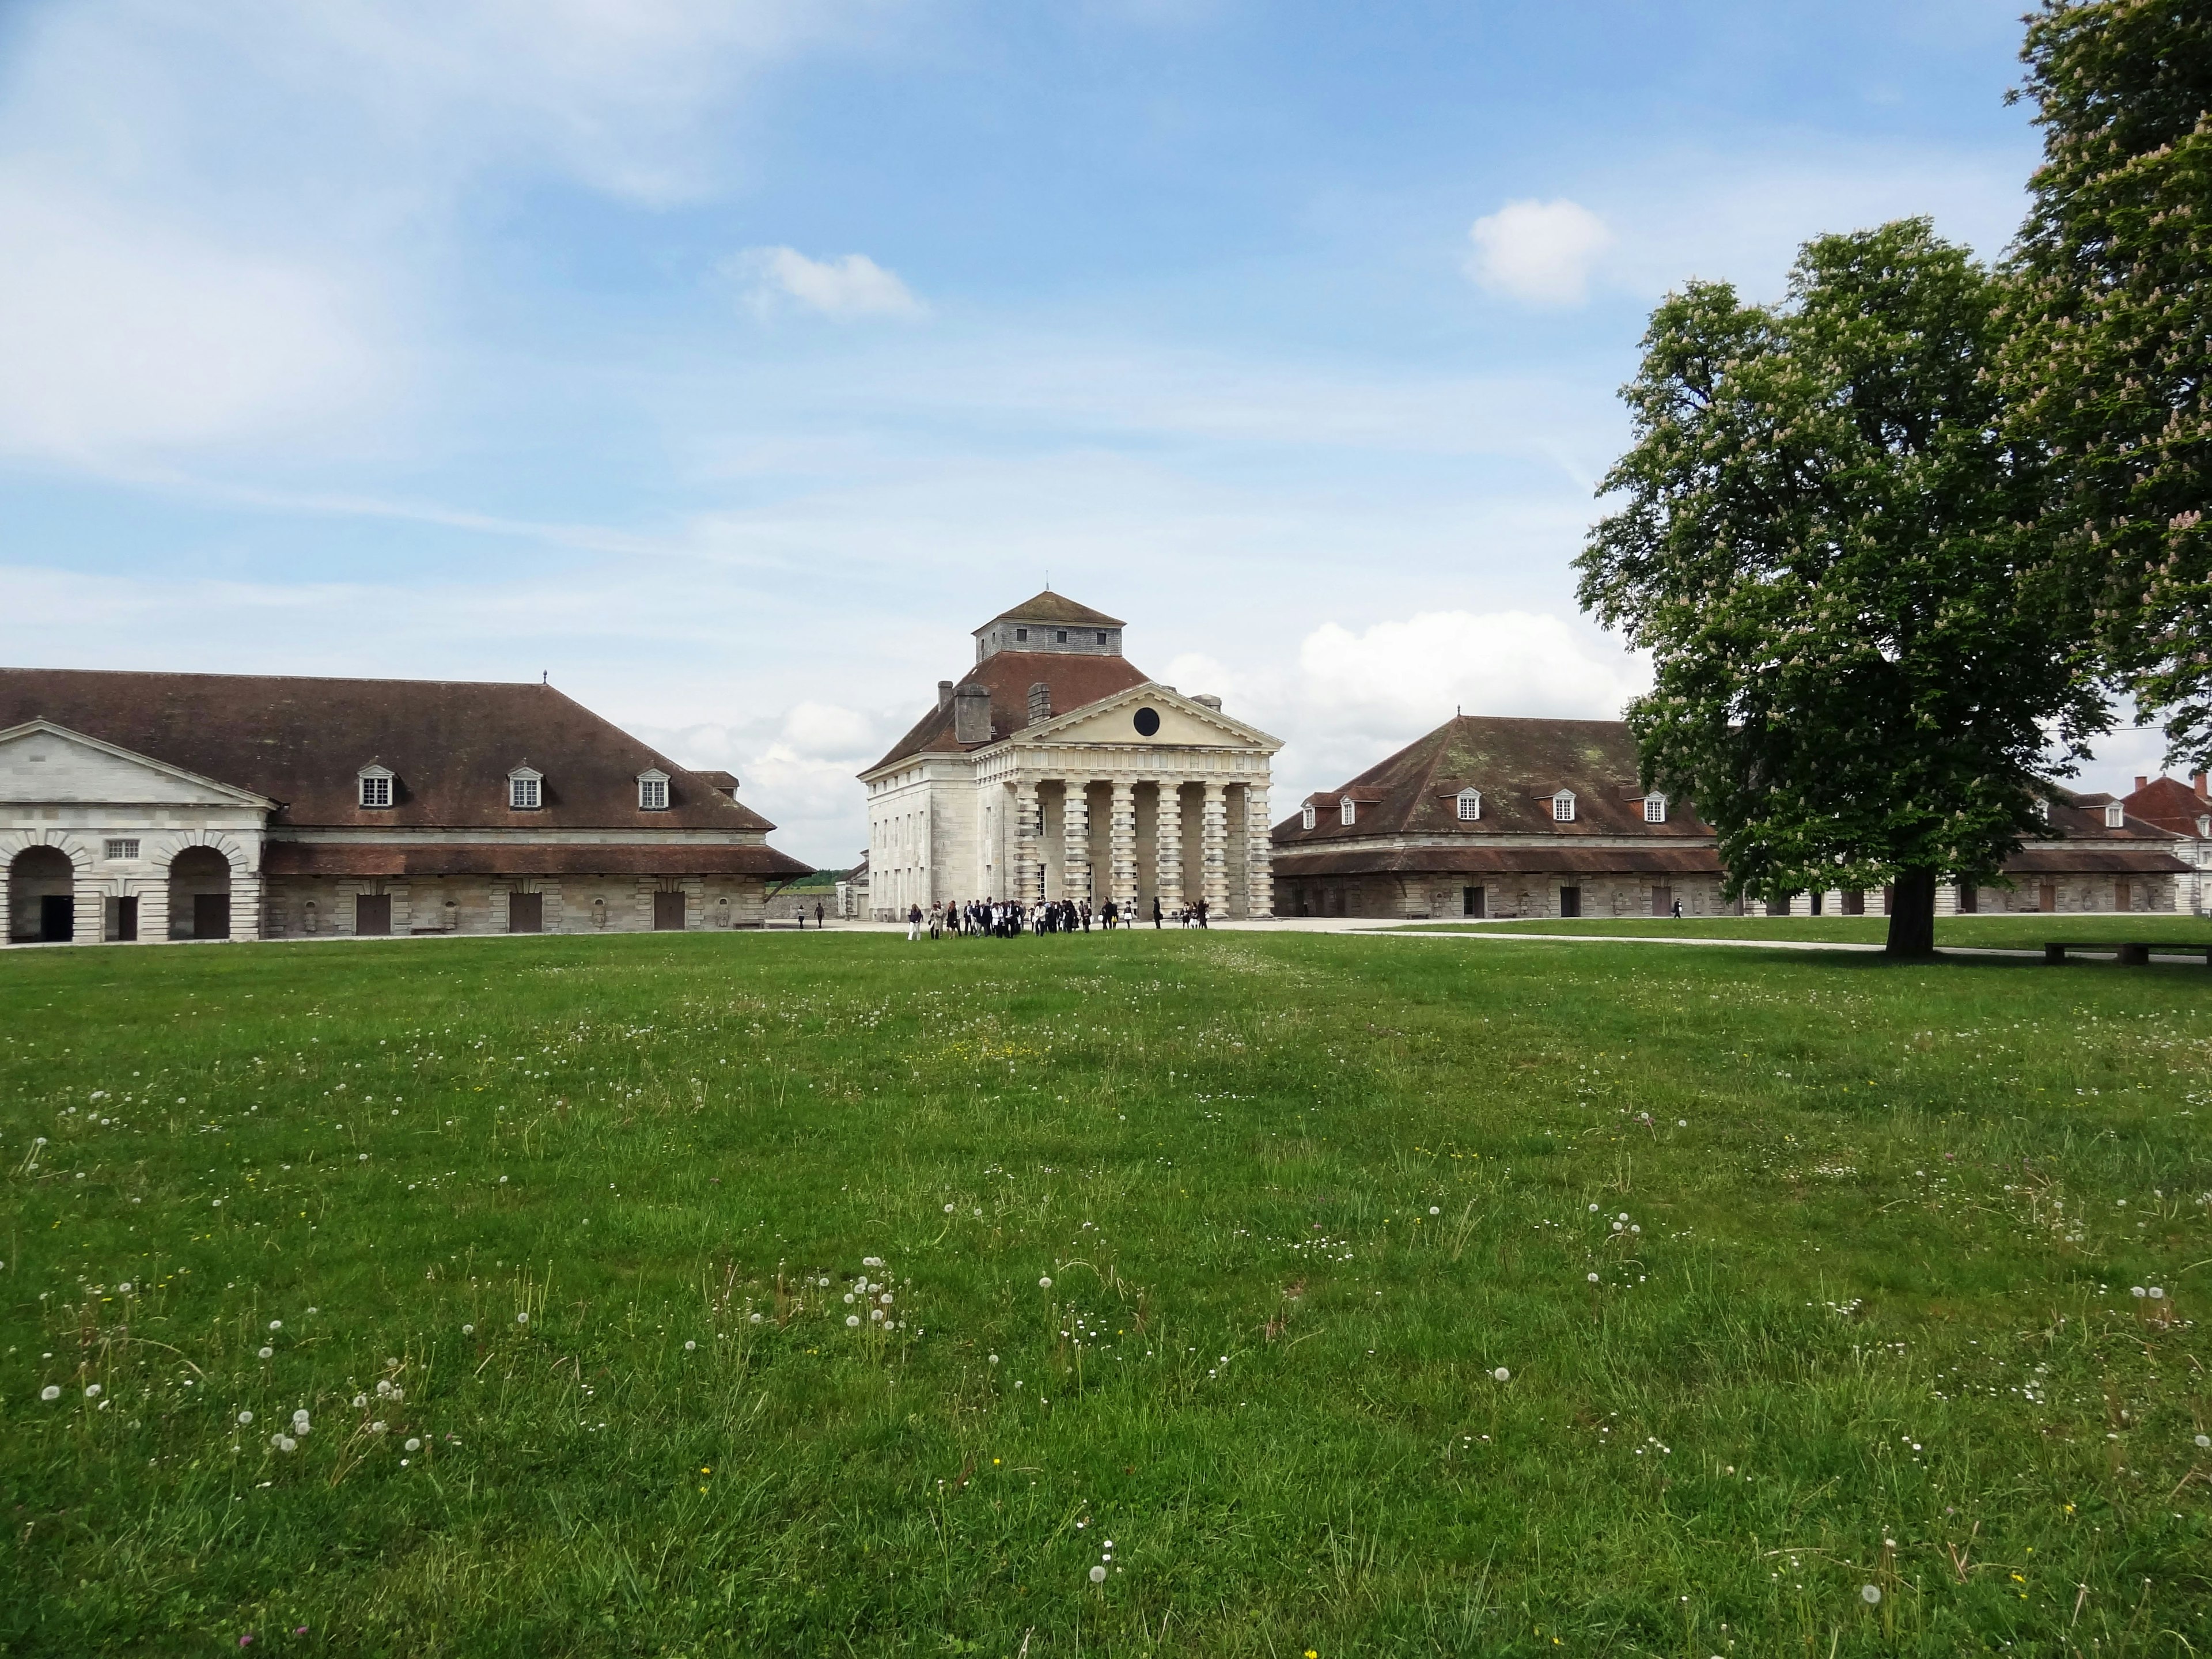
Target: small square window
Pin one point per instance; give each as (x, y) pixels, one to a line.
(1060, 638)
(1346, 811)
(1021, 633)
(1102, 636)
(522, 794)
(123, 849)
(652, 795)
(1655, 808)
(376, 790)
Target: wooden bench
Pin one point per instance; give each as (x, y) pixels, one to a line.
(2131, 955)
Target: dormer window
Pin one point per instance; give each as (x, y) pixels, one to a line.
(1347, 811)
(1655, 808)
(1563, 807)
(2043, 810)
(2204, 829)
(526, 789)
(1306, 817)
(2116, 816)
(653, 790)
(375, 784)
(1469, 802)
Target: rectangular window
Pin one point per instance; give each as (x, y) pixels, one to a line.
(1021, 633)
(1306, 817)
(1346, 811)
(522, 794)
(1655, 808)
(1472, 902)
(1571, 900)
(123, 849)
(652, 795)
(376, 792)
(2116, 817)
(1102, 636)
(1060, 638)
(1563, 809)
(1470, 807)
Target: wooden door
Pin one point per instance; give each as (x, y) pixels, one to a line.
(211, 916)
(1475, 901)
(525, 913)
(1571, 900)
(372, 915)
(2047, 900)
(1662, 901)
(2122, 897)
(668, 912)
(1855, 903)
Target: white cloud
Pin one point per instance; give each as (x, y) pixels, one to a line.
(855, 286)
(1538, 251)
(123, 335)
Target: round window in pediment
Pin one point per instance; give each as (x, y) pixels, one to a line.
(1148, 722)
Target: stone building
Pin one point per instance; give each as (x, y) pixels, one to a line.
(1493, 817)
(153, 807)
(1055, 768)
(1487, 816)
(2185, 812)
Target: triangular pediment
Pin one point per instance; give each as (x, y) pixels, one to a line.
(1183, 723)
(40, 761)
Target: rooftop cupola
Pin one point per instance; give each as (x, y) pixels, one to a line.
(1050, 622)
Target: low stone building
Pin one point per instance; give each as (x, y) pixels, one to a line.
(152, 806)
(1488, 816)
(1056, 770)
(1493, 817)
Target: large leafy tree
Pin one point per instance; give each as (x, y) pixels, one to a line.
(1819, 543)
(2111, 335)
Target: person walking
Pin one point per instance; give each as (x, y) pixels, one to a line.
(1204, 909)
(913, 923)
(817, 915)
(1678, 909)
(1156, 912)
(936, 919)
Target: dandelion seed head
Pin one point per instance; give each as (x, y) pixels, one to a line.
(1503, 1375)
(1871, 1594)
(52, 1392)
(413, 1445)
(244, 1418)
(1045, 1284)
(1098, 1575)
(268, 1353)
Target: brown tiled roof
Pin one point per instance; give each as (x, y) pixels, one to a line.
(1075, 681)
(1518, 765)
(681, 858)
(1500, 861)
(2107, 861)
(2168, 804)
(302, 741)
(1051, 607)
(2081, 817)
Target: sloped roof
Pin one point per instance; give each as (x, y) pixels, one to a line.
(1518, 765)
(1075, 681)
(1051, 607)
(2078, 816)
(2168, 804)
(302, 740)
(518, 858)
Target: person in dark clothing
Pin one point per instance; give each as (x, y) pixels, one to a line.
(817, 915)
(1204, 908)
(1156, 912)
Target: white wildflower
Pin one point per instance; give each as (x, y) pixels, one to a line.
(244, 1418)
(52, 1392)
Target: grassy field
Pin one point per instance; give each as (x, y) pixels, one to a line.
(1240, 1295)
(2020, 933)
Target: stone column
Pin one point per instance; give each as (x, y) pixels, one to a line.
(1214, 857)
(1259, 872)
(1075, 842)
(1124, 845)
(1029, 876)
(1167, 841)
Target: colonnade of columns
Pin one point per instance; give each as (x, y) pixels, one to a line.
(1230, 869)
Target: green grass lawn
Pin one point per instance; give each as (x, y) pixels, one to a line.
(2018, 932)
(1561, 1300)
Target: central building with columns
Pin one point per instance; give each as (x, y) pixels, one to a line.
(1055, 768)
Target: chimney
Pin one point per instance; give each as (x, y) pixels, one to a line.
(943, 692)
(971, 715)
(2198, 784)
(2140, 784)
(1040, 703)
(1209, 699)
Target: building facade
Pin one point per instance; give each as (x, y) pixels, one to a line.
(2185, 812)
(159, 806)
(1487, 816)
(1055, 770)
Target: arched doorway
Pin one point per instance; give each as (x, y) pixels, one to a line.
(42, 897)
(199, 895)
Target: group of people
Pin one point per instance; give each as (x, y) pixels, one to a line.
(1009, 918)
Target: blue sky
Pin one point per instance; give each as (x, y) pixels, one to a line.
(732, 361)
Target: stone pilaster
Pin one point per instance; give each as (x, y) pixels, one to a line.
(1167, 844)
(1075, 842)
(1028, 872)
(1214, 852)
(1259, 872)
(247, 899)
(1124, 844)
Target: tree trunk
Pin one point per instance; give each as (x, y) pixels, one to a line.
(1913, 913)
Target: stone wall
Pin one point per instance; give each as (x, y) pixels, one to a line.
(300, 907)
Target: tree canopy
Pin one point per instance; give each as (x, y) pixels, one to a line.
(1857, 677)
(2111, 338)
